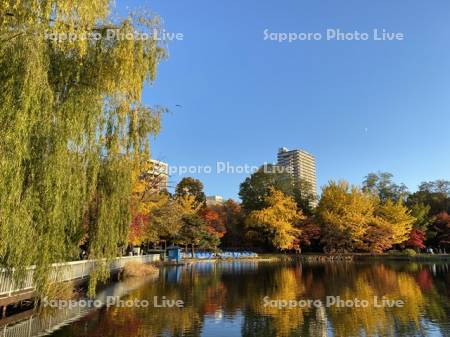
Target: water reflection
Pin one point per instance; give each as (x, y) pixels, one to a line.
(226, 299)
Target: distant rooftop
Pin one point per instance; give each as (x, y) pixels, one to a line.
(285, 149)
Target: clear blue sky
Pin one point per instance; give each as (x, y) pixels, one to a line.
(357, 106)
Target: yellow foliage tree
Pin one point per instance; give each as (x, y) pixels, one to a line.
(345, 213)
(277, 221)
(145, 200)
(398, 220)
(353, 219)
(188, 204)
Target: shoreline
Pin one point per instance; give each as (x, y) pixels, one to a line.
(311, 257)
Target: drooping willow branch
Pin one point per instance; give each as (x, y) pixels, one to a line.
(73, 127)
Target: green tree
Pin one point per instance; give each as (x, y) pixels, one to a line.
(421, 213)
(167, 216)
(166, 220)
(72, 126)
(194, 232)
(254, 190)
(305, 197)
(232, 213)
(381, 184)
(437, 186)
(434, 194)
(191, 187)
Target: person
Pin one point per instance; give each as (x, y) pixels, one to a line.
(83, 254)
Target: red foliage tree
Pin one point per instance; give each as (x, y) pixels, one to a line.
(138, 228)
(416, 239)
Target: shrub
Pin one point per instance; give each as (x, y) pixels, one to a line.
(409, 252)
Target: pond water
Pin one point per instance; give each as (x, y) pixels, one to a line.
(271, 299)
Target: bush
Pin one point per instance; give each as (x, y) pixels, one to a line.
(409, 252)
(136, 269)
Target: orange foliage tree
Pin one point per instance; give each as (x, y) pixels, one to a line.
(214, 220)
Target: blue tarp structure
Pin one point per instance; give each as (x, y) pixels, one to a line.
(223, 255)
(174, 254)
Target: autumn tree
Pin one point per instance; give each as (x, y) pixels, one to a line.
(391, 224)
(377, 237)
(276, 223)
(146, 197)
(311, 233)
(397, 215)
(191, 187)
(256, 188)
(214, 220)
(416, 239)
(344, 213)
(188, 204)
(353, 219)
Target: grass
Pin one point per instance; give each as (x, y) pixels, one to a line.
(63, 291)
(137, 269)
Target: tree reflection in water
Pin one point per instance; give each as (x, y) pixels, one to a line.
(214, 294)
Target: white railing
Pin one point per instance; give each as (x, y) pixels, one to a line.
(62, 272)
(42, 325)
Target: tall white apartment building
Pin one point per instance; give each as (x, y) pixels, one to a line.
(158, 174)
(300, 164)
(214, 200)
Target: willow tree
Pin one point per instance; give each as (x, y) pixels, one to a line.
(72, 127)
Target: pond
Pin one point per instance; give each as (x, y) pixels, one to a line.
(272, 299)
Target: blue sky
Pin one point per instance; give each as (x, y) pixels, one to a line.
(358, 106)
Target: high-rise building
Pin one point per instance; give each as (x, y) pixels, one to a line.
(158, 175)
(214, 200)
(300, 164)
